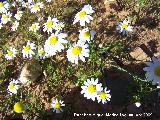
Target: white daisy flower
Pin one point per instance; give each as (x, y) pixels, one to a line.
(59, 26)
(48, 0)
(100, 45)
(13, 4)
(15, 26)
(41, 53)
(28, 49)
(88, 8)
(86, 34)
(138, 104)
(124, 27)
(6, 17)
(79, 50)
(57, 104)
(153, 70)
(4, 7)
(36, 7)
(50, 24)
(25, 4)
(1, 25)
(104, 96)
(13, 86)
(55, 43)
(11, 53)
(91, 88)
(83, 16)
(34, 27)
(20, 0)
(30, 1)
(18, 15)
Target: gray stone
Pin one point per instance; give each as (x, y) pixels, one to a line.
(30, 72)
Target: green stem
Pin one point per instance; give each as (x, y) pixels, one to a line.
(122, 69)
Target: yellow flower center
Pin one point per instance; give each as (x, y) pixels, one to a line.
(9, 53)
(103, 95)
(86, 34)
(49, 23)
(4, 16)
(91, 88)
(36, 6)
(157, 71)
(53, 40)
(18, 13)
(41, 52)
(14, 25)
(11, 86)
(124, 26)
(1, 4)
(59, 25)
(27, 48)
(57, 105)
(76, 50)
(82, 14)
(33, 26)
(18, 107)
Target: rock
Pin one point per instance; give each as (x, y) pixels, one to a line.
(30, 72)
(139, 55)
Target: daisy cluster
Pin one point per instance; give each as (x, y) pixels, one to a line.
(12, 18)
(53, 44)
(19, 107)
(57, 40)
(7, 17)
(92, 90)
